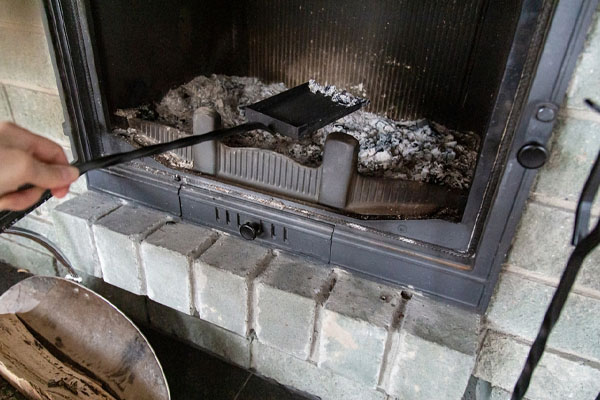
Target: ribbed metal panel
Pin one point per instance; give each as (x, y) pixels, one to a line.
(398, 197)
(269, 170)
(411, 57)
(162, 134)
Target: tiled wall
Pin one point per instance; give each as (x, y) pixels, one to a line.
(29, 97)
(539, 254)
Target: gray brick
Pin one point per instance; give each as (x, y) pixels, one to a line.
(305, 376)
(501, 360)
(39, 112)
(355, 323)
(231, 347)
(167, 255)
(79, 186)
(518, 307)
(22, 12)
(443, 324)
(421, 369)
(73, 221)
(5, 114)
(221, 276)
(133, 306)
(433, 353)
(25, 57)
(586, 80)
(117, 238)
(499, 394)
(45, 210)
(287, 296)
(574, 149)
(545, 251)
(25, 257)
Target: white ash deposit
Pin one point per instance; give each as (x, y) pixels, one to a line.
(337, 95)
(413, 150)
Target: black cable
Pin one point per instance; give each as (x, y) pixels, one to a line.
(585, 246)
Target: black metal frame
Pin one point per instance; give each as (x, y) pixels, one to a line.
(459, 262)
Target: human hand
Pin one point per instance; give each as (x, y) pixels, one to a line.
(26, 158)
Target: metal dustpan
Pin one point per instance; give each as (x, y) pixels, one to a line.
(90, 334)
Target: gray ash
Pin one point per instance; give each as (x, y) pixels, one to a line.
(412, 150)
(338, 96)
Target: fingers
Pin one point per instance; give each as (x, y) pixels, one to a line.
(18, 201)
(60, 192)
(43, 149)
(19, 167)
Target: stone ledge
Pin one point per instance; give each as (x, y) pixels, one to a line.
(228, 345)
(346, 336)
(356, 320)
(73, 228)
(307, 377)
(118, 236)
(433, 352)
(167, 256)
(221, 279)
(288, 293)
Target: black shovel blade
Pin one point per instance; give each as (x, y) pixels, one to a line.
(298, 112)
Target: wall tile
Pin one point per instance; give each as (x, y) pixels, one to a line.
(23, 12)
(25, 57)
(575, 146)
(518, 307)
(586, 80)
(543, 245)
(39, 112)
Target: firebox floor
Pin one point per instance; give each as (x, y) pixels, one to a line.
(191, 373)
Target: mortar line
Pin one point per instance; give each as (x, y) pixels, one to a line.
(5, 94)
(559, 353)
(580, 114)
(251, 350)
(30, 87)
(194, 254)
(137, 243)
(395, 324)
(252, 298)
(321, 299)
(549, 281)
(563, 205)
(92, 235)
(22, 27)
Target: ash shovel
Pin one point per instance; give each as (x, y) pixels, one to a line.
(60, 340)
(297, 113)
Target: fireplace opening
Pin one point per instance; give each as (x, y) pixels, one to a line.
(422, 188)
(419, 151)
(420, 64)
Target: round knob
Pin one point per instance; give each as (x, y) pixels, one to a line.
(532, 155)
(250, 230)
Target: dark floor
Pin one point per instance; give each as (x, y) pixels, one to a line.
(191, 373)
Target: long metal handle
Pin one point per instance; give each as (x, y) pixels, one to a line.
(9, 218)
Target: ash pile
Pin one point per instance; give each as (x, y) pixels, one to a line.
(418, 150)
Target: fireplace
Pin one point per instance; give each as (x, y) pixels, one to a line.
(490, 74)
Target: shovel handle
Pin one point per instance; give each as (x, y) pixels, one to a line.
(9, 218)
